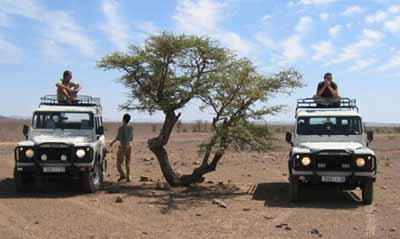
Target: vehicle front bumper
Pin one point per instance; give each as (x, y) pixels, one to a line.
(352, 179)
(36, 169)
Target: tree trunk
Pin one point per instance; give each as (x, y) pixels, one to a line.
(157, 144)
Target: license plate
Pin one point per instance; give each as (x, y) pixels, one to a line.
(333, 179)
(53, 170)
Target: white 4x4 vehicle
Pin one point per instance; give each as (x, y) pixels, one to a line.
(330, 149)
(64, 140)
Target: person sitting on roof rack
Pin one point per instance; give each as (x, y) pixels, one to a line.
(67, 90)
(327, 92)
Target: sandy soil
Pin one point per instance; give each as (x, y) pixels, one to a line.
(253, 185)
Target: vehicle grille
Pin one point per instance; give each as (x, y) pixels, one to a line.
(54, 154)
(333, 162)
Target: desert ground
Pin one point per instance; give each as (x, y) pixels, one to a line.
(252, 185)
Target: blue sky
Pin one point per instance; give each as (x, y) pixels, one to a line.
(358, 41)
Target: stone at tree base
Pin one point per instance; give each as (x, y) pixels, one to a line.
(119, 199)
(219, 203)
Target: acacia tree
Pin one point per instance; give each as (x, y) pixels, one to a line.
(169, 70)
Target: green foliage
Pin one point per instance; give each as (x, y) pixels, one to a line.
(167, 71)
(240, 95)
(251, 137)
(170, 70)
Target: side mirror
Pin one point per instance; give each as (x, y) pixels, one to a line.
(100, 131)
(25, 130)
(370, 136)
(288, 138)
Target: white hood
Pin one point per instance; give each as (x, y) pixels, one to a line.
(61, 136)
(316, 146)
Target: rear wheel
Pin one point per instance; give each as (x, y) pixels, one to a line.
(91, 181)
(294, 189)
(368, 192)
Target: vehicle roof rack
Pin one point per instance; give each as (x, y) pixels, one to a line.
(81, 100)
(320, 104)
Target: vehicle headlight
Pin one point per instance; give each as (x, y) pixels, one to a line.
(80, 153)
(44, 157)
(360, 162)
(306, 161)
(29, 153)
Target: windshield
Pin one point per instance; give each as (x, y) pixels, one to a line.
(62, 120)
(329, 126)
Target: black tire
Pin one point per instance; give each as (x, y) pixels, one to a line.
(294, 189)
(91, 181)
(368, 193)
(20, 182)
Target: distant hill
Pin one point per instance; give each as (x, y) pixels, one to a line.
(13, 118)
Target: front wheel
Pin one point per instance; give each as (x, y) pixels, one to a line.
(20, 182)
(294, 189)
(91, 181)
(368, 192)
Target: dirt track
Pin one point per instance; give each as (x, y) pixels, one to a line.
(254, 186)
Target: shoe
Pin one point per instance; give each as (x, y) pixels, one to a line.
(128, 179)
(121, 178)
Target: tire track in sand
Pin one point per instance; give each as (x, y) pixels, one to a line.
(370, 212)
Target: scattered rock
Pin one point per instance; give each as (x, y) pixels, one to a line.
(284, 174)
(219, 203)
(384, 187)
(315, 232)
(198, 215)
(160, 185)
(196, 163)
(268, 217)
(248, 175)
(287, 228)
(36, 222)
(282, 225)
(246, 209)
(145, 233)
(119, 199)
(220, 183)
(210, 182)
(392, 229)
(144, 179)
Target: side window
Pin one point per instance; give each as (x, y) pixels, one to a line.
(99, 124)
(96, 120)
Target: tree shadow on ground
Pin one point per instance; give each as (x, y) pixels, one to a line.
(165, 198)
(276, 194)
(182, 198)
